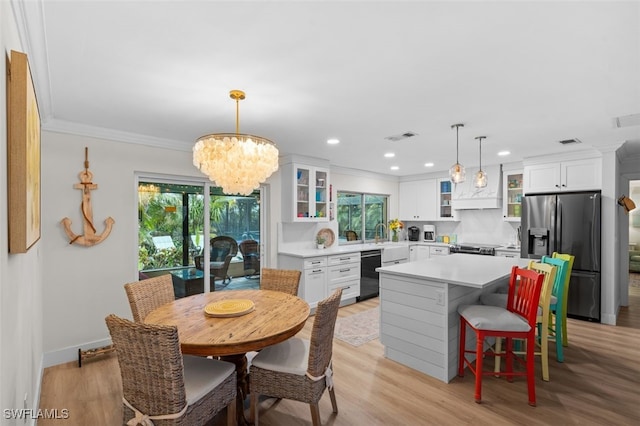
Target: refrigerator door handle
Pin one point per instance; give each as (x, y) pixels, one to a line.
(558, 227)
(594, 251)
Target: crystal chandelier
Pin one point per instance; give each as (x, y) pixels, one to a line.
(456, 172)
(236, 162)
(480, 179)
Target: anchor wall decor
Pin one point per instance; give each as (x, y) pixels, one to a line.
(89, 238)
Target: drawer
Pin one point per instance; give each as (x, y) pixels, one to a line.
(341, 273)
(350, 289)
(438, 251)
(344, 258)
(315, 262)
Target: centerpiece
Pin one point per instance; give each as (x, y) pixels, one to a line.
(395, 225)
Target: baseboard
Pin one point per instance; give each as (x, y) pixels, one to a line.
(69, 354)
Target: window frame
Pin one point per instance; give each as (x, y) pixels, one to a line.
(362, 232)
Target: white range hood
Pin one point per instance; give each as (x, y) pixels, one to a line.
(467, 197)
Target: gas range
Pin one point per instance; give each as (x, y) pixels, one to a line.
(474, 248)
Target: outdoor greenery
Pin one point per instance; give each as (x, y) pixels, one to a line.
(177, 211)
(355, 210)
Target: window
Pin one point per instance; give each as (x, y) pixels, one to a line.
(171, 222)
(361, 213)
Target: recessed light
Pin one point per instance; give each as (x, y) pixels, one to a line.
(389, 155)
(333, 141)
(504, 153)
(428, 164)
(395, 168)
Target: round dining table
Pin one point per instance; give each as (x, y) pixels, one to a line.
(276, 317)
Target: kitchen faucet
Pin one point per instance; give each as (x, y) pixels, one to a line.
(375, 231)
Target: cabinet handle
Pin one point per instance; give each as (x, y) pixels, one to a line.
(345, 270)
(346, 288)
(345, 258)
(316, 262)
(317, 270)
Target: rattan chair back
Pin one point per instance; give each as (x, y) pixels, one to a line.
(146, 295)
(150, 365)
(321, 344)
(284, 280)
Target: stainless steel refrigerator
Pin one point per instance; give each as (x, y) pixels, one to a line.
(567, 223)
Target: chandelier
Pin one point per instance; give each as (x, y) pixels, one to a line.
(480, 179)
(456, 172)
(236, 162)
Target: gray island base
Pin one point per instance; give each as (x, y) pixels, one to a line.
(419, 322)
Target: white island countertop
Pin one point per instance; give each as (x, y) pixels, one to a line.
(469, 270)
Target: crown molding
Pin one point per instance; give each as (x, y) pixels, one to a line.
(68, 127)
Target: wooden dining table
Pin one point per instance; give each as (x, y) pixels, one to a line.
(277, 317)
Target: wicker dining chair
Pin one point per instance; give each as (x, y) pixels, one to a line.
(299, 369)
(285, 280)
(162, 385)
(146, 295)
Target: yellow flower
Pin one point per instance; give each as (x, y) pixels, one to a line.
(395, 224)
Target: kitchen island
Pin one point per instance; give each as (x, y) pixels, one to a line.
(419, 323)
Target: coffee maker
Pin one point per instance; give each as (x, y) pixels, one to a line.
(429, 233)
(414, 233)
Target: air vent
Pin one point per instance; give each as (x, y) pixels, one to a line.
(405, 135)
(626, 121)
(570, 141)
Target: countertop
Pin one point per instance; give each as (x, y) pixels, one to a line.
(340, 249)
(462, 269)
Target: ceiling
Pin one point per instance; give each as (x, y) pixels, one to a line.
(524, 74)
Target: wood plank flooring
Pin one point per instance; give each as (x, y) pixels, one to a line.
(598, 384)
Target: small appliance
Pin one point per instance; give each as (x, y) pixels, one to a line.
(429, 233)
(414, 233)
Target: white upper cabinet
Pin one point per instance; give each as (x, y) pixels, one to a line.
(570, 175)
(417, 200)
(305, 193)
(444, 189)
(512, 191)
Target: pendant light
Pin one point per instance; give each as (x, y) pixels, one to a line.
(456, 172)
(480, 179)
(237, 162)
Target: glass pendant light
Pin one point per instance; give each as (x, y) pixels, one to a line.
(480, 179)
(456, 172)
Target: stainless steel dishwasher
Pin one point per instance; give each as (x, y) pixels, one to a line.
(369, 283)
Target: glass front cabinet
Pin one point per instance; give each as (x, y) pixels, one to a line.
(305, 193)
(512, 195)
(445, 212)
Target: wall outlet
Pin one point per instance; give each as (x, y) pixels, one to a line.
(440, 298)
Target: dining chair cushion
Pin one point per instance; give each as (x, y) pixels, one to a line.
(202, 375)
(290, 356)
(483, 317)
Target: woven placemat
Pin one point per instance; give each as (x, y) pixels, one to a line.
(229, 308)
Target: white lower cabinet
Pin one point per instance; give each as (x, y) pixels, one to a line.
(418, 252)
(507, 253)
(438, 251)
(344, 272)
(322, 275)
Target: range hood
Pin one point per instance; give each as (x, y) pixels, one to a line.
(467, 197)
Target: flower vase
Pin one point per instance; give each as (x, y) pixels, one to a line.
(394, 237)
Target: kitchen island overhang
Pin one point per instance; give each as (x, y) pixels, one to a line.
(419, 322)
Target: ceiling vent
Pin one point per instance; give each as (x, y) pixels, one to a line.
(405, 135)
(626, 121)
(570, 141)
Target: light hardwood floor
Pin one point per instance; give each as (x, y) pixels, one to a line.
(598, 384)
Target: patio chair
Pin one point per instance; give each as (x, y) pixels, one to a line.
(250, 250)
(223, 250)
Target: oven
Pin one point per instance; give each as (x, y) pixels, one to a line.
(474, 248)
(369, 282)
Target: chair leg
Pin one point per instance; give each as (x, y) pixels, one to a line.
(253, 408)
(557, 326)
(334, 403)
(231, 413)
(531, 379)
(479, 353)
(315, 414)
(565, 336)
(462, 342)
(498, 358)
(544, 349)
(509, 358)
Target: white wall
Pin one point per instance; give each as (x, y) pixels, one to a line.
(634, 231)
(20, 275)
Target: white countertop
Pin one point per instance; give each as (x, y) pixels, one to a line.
(340, 249)
(462, 269)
